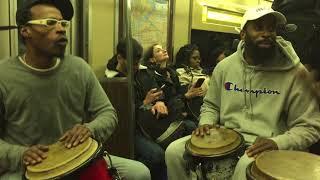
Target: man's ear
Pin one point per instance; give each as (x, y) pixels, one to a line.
(242, 34)
(25, 32)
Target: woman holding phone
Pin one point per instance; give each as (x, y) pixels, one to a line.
(191, 77)
(190, 72)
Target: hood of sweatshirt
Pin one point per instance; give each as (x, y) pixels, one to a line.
(285, 57)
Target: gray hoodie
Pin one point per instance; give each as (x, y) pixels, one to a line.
(272, 100)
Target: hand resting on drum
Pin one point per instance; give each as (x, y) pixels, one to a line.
(77, 135)
(34, 155)
(159, 109)
(260, 145)
(203, 129)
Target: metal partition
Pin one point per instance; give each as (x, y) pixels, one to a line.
(85, 46)
(74, 36)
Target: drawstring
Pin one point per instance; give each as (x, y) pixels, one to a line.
(250, 96)
(244, 90)
(244, 86)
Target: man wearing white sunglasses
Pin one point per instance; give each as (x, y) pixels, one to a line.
(45, 95)
(50, 23)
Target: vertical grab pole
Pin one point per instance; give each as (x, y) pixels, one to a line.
(128, 35)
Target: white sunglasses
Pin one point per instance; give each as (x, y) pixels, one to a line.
(49, 22)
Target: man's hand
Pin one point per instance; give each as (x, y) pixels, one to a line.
(34, 155)
(261, 145)
(194, 92)
(152, 96)
(77, 135)
(202, 130)
(159, 109)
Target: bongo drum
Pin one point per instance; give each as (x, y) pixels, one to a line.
(215, 156)
(64, 163)
(284, 164)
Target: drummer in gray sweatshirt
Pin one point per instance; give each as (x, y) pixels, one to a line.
(261, 91)
(46, 96)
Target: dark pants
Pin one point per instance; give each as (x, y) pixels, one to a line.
(190, 126)
(152, 155)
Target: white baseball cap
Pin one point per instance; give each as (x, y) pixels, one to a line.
(258, 12)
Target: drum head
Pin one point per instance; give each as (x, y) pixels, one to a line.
(61, 160)
(286, 165)
(220, 142)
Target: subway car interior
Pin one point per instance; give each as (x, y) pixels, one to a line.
(179, 46)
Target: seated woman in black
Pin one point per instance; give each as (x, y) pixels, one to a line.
(163, 127)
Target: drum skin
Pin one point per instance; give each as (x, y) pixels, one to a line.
(284, 164)
(62, 163)
(219, 143)
(215, 156)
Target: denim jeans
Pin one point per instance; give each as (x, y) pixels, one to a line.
(190, 126)
(152, 155)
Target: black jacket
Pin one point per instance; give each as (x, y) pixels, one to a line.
(173, 97)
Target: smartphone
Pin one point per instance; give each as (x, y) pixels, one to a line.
(199, 82)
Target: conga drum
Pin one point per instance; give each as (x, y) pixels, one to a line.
(64, 163)
(215, 156)
(283, 164)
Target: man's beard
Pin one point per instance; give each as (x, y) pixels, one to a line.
(60, 54)
(61, 46)
(259, 54)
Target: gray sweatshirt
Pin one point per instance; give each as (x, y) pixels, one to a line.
(272, 100)
(38, 107)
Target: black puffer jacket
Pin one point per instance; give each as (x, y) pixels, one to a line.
(173, 97)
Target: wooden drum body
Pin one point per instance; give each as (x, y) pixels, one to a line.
(215, 156)
(64, 163)
(285, 165)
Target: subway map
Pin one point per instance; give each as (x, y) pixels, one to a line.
(149, 21)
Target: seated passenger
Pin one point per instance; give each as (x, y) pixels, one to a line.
(258, 91)
(215, 56)
(117, 65)
(188, 61)
(315, 86)
(50, 95)
(146, 150)
(189, 72)
(169, 121)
